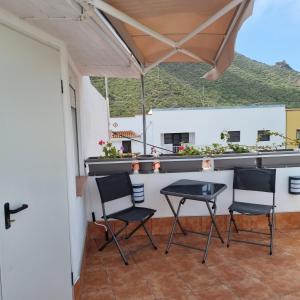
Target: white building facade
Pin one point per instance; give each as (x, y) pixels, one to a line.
(168, 128)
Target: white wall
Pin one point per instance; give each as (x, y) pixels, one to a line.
(209, 123)
(285, 202)
(136, 147)
(206, 124)
(92, 126)
(93, 115)
(135, 124)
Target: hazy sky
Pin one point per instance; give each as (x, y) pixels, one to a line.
(272, 33)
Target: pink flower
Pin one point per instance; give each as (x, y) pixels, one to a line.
(101, 142)
(181, 148)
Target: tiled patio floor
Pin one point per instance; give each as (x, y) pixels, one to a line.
(240, 272)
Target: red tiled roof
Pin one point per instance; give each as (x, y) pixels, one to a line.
(124, 133)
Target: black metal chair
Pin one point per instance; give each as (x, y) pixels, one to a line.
(251, 179)
(115, 187)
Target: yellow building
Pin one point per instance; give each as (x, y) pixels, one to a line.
(293, 124)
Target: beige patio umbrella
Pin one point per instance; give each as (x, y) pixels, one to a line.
(157, 31)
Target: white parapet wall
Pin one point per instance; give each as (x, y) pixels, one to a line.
(285, 202)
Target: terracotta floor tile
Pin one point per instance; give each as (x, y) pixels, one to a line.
(248, 289)
(228, 272)
(95, 280)
(133, 290)
(239, 272)
(220, 292)
(191, 223)
(283, 283)
(119, 276)
(169, 286)
(197, 281)
(102, 294)
(293, 296)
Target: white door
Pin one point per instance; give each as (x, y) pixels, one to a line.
(35, 250)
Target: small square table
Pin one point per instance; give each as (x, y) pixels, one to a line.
(206, 192)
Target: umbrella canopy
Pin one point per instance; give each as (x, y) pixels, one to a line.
(178, 30)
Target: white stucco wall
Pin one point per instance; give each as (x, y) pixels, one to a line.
(92, 126)
(285, 202)
(136, 147)
(94, 121)
(135, 124)
(206, 124)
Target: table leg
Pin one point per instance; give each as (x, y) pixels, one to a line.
(213, 219)
(174, 213)
(181, 202)
(212, 225)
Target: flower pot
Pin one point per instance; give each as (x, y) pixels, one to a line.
(180, 164)
(233, 160)
(108, 166)
(135, 167)
(156, 166)
(146, 163)
(280, 161)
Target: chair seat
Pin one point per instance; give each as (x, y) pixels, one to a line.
(250, 208)
(132, 214)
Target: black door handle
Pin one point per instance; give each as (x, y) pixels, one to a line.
(8, 212)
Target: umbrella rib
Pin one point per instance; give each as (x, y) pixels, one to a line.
(196, 57)
(231, 27)
(163, 58)
(197, 30)
(107, 8)
(227, 8)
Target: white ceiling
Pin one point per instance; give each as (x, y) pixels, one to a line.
(92, 47)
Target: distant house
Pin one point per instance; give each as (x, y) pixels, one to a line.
(293, 124)
(127, 140)
(170, 127)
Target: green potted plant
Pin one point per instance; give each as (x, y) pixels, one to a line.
(182, 162)
(229, 159)
(271, 160)
(110, 161)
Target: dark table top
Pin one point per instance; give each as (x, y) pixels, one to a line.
(193, 189)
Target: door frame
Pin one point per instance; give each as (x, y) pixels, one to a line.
(11, 21)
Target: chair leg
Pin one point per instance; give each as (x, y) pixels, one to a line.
(271, 226)
(114, 238)
(229, 230)
(109, 240)
(137, 227)
(149, 236)
(234, 223)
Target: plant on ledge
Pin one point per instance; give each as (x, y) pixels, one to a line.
(109, 150)
(286, 140)
(237, 148)
(212, 150)
(188, 150)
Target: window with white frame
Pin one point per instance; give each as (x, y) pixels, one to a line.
(263, 135)
(234, 136)
(176, 138)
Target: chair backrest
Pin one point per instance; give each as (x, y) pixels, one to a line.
(253, 179)
(114, 187)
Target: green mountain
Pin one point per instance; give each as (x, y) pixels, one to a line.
(246, 82)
